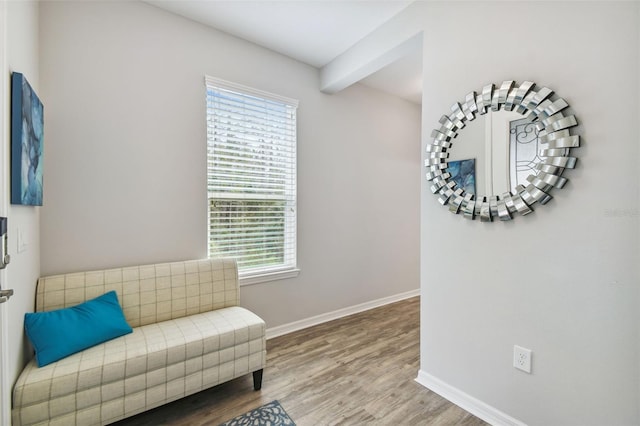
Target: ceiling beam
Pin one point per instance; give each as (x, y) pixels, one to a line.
(399, 36)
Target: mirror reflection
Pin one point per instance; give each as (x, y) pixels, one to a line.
(495, 153)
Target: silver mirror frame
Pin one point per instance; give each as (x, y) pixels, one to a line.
(555, 133)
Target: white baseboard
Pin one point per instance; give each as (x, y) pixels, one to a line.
(330, 316)
(465, 401)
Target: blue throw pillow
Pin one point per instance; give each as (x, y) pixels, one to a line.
(60, 333)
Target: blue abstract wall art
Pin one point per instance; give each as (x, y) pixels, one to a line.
(27, 127)
(463, 173)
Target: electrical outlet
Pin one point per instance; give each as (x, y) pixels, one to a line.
(522, 358)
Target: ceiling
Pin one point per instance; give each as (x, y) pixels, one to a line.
(311, 31)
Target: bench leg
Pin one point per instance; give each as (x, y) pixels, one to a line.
(257, 379)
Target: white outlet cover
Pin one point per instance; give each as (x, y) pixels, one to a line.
(522, 358)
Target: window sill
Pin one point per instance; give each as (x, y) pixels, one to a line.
(264, 277)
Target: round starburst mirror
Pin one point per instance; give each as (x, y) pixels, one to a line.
(521, 150)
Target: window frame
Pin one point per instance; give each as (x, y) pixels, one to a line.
(289, 267)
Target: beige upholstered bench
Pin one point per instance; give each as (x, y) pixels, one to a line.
(188, 335)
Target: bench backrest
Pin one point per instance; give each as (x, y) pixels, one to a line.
(149, 293)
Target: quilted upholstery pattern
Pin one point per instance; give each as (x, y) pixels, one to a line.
(149, 293)
(159, 362)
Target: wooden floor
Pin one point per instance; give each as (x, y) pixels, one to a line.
(357, 370)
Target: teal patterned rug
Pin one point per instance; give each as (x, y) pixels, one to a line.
(271, 414)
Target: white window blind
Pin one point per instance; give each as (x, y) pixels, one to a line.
(251, 176)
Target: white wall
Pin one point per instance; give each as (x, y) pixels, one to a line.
(563, 281)
(123, 84)
(22, 273)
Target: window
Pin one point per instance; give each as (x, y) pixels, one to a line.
(251, 180)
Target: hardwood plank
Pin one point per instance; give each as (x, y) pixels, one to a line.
(357, 370)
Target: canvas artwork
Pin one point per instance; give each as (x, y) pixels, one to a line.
(463, 173)
(27, 126)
